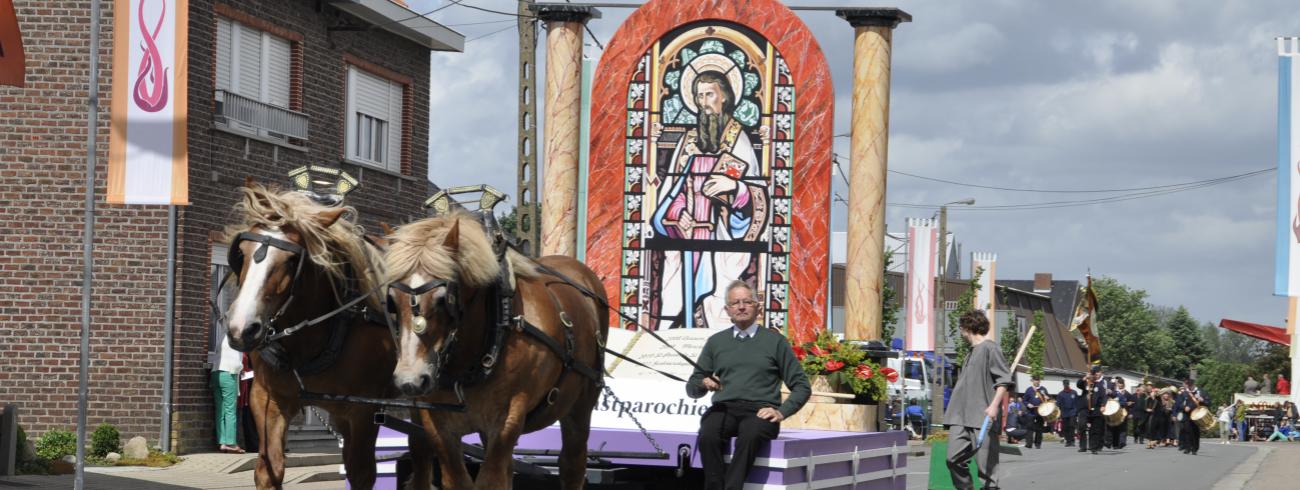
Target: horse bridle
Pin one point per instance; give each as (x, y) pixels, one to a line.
(418, 322)
(235, 259)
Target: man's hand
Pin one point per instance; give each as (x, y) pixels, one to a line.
(991, 411)
(770, 414)
(718, 185)
(686, 225)
(711, 383)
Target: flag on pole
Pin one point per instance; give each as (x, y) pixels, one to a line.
(148, 156)
(1085, 316)
(1286, 278)
(922, 248)
(984, 299)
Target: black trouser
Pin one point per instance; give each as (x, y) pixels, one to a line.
(249, 426)
(1118, 436)
(1096, 424)
(1189, 435)
(1139, 428)
(723, 421)
(1035, 436)
(1067, 429)
(1081, 429)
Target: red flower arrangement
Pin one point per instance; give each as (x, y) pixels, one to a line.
(844, 366)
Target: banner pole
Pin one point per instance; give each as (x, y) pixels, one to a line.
(88, 243)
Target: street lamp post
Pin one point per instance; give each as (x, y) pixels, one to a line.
(940, 321)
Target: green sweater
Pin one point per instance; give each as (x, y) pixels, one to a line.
(752, 370)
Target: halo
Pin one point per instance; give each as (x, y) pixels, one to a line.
(709, 62)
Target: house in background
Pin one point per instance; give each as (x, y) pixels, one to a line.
(272, 86)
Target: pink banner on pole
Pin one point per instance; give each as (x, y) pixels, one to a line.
(148, 160)
(922, 245)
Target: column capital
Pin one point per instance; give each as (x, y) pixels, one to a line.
(874, 16)
(564, 12)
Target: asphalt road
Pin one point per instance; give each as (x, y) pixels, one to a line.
(1055, 467)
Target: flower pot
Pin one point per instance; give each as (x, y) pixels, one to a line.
(824, 384)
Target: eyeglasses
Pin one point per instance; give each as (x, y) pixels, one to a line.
(739, 302)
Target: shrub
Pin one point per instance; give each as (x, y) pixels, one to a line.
(55, 444)
(105, 440)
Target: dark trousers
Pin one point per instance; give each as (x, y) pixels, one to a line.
(1139, 428)
(1081, 429)
(1118, 435)
(1067, 429)
(1035, 436)
(1096, 425)
(249, 428)
(722, 422)
(1189, 435)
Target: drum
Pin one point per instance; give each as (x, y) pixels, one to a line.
(1049, 411)
(1113, 413)
(1203, 418)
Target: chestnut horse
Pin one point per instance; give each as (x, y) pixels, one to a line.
(456, 295)
(297, 261)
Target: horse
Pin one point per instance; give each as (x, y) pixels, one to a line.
(519, 343)
(295, 261)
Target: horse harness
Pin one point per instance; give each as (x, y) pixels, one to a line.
(271, 350)
(503, 321)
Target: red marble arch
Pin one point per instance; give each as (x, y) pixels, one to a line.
(814, 106)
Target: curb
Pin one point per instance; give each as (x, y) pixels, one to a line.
(1237, 478)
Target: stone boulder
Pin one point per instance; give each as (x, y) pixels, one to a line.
(112, 457)
(136, 448)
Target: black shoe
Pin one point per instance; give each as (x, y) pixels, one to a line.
(1094, 451)
(1038, 446)
(1083, 449)
(1193, 453)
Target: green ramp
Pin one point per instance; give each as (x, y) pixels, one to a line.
(940, 479)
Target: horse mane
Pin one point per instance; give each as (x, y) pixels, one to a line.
(335, 249)
(417, 247)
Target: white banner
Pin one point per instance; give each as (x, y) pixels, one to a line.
(922, 243)
(148, 154)
(984, 298)
(1286, 279)
(659, 404)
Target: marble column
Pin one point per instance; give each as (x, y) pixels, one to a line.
(564, 32)
(864, 272)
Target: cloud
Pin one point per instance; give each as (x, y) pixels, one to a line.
(1014, 93)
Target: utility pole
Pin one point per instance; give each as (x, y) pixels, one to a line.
(528, 224)
(940, 319)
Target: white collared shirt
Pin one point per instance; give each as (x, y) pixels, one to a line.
(746, 332)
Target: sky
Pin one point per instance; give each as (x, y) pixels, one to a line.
(1009, 93)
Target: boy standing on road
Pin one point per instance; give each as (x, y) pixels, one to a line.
(980, 389)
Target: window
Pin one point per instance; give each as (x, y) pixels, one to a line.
(253, 63)
(219, 269)
(254, 75)
(374, 120)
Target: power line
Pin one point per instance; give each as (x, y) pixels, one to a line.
(593, 36)
(480, 23)
(503, 29)
(1069, 191)
(416, 16)
(1085, 202)
(490, 11)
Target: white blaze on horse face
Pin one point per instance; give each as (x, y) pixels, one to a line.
(410, 364)
(248, 306)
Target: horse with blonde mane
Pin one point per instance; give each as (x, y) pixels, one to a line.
(296, 262)
(519, 343)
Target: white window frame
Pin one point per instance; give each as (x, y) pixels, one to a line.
(357, 119)
(262, 93)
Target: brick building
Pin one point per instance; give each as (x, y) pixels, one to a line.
(272, 86)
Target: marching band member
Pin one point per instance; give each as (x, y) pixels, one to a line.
(1094, 395)
(1033, 398)
(1157, 418)
(1189, 435)
(1065, 401)
(1118, 434)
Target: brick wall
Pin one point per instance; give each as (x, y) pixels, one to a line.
(42, 161)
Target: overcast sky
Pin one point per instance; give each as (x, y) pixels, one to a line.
(1010, 93)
